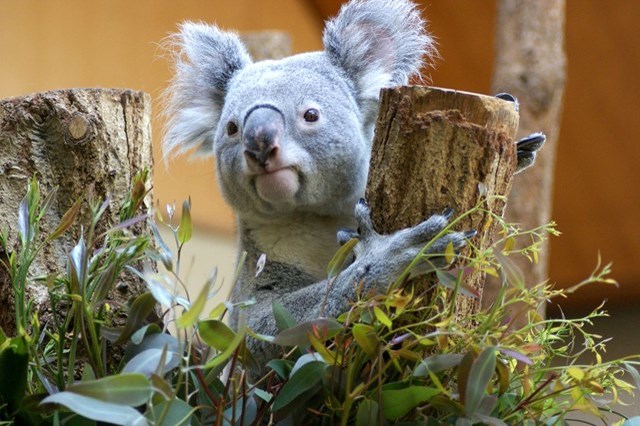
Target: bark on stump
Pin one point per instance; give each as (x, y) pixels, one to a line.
(432, 148)
(78, 140)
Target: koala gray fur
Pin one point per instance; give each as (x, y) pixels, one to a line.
(292, 141)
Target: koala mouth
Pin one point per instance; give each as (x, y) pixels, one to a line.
(278, 186)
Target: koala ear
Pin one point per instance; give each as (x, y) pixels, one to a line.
(378, 43)
(206, 58)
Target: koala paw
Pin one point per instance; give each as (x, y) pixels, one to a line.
(509, 98)
(527, 148)
(380, 259)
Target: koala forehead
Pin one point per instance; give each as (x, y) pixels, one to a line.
(289, 84)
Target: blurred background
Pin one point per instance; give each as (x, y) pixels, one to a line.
(53, 44)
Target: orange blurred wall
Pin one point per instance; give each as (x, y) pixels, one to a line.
(47, 45)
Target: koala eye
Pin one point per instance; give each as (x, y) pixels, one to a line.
(232, 128)
(311, 115)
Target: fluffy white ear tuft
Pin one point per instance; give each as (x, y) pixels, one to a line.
(378, 43)
(205, 58)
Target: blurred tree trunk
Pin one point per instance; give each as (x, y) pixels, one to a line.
(531, 65)
(263, 45)
(81, 141)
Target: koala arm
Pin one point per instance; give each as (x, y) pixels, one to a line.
(379, 261)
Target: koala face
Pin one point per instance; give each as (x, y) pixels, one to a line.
(291, 139)
(294, 135)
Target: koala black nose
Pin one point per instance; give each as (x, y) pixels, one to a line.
(263, 127)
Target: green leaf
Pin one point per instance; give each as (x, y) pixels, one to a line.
(218, 311)
(630, 369)
(479, 376)
(284, 319)
(336, 264)
(138, 336)
(175, 412)
(449, 281)
(449, 253)
(14, 363)
(489, 420)
(463, 374)
(365, 336)
(87, 373)
(104, 283)
(216, 333)
(437, 363)
(110, 333)
(233, 345)
(282, 367)
(136, 196)
(509, 245)
(140, 309)
(265, 396)
(510, 272)
(576, 372)
(186, 228)
(368, 413)
(166, 255)
(95, 409)
(322, 328)
(396, 403)
(192, 314)
(504, 376)
(301, 384)
(382, 317)
(242, 413)
(151, 361)
(131, 389)
(78, 266)
(46, 203)
(68, 219)
(152, 341)
(24, 225)
(3, 240)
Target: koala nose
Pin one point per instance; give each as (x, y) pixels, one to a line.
(263, 127)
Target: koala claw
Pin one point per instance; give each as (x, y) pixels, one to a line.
(362, 214)
(456, 239)
(470, 234)
(509, 98)
(527, 148)
(345, 234)
(531, 143)
(447, 213)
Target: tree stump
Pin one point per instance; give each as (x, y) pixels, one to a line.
(78, 140)
(431, 151)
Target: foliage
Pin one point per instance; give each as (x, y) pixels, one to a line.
(401, 357)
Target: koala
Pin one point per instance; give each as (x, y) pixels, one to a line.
(292, 140)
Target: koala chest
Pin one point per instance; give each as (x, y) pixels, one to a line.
(307, 246)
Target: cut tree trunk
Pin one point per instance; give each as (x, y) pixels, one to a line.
(81, 141)
(434, 149)
(531, 65)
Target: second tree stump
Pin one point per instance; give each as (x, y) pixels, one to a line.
(433, 149)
